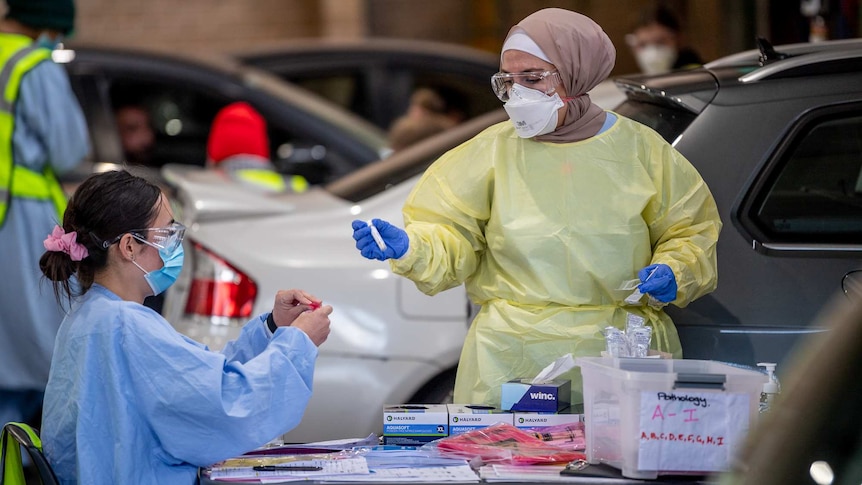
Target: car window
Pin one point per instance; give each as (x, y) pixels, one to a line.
(344, 89)
(381, 95)
(667, 120)
(104, 143)
(178, 115)
(816, 193)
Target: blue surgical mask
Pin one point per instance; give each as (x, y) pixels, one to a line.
(162, 278)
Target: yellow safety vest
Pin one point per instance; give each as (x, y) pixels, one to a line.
(18, 55)
(272, 181)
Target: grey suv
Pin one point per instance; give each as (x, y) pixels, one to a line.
(777, 135)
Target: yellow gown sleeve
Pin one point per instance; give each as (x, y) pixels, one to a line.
(447, 231)
(683, 221)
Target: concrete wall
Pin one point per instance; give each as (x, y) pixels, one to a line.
(194, 25)
(220, 26)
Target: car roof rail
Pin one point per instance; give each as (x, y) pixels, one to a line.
(823, 62)
(752, 57)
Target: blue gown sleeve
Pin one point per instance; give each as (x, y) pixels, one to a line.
(50, 126)
(253, 339)
(205, 407)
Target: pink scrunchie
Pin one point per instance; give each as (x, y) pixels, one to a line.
(59, 240)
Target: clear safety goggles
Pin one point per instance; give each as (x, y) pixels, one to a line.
(544, 81)
(167, 238)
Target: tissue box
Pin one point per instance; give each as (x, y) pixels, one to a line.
(414, 424)
(550, 397)
(466, 417)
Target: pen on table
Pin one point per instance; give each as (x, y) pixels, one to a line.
(290, 468)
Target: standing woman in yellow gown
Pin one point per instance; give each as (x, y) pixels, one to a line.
(543, 217)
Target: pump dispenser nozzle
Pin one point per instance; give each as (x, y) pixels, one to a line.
(771, 388)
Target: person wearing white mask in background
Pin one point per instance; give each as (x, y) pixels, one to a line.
(543, 216)
(656, 43)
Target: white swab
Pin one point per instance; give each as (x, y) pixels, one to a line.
(376, 235)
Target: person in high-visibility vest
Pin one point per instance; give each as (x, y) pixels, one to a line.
(238, 145)
(43, 133)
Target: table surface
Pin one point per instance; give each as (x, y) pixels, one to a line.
(583, 480)
(675, 480)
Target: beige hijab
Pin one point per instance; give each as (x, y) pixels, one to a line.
(584, 56)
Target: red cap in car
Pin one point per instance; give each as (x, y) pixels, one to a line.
(238, 129)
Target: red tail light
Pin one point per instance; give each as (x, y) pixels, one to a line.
(217, 288)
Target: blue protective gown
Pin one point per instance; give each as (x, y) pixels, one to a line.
(130, 400)
(49, 131)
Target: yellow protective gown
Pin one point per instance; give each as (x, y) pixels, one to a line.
(542, 234)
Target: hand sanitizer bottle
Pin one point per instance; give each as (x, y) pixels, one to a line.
(771, 388)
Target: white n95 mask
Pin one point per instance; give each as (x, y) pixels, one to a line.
(656, 59)
(532, 112)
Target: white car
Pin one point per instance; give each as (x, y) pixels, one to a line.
(390, 343)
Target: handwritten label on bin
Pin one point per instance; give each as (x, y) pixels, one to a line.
(690, 431)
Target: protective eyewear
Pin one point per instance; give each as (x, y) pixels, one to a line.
(544, 81)
(167, 238)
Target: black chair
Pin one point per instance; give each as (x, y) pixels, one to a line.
(16, 436)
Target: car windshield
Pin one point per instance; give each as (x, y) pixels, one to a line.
(667, 120)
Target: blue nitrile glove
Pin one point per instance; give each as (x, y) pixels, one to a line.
(661, 285)
(395, 238)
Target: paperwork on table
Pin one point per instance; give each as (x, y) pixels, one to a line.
(362, 464)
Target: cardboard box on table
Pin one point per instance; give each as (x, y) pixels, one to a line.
(414, 424)
(467, 417)
(651, 417)
(537, 420)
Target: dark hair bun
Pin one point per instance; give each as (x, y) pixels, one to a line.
(57, 266)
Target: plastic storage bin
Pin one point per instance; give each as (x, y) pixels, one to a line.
(651, 417)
